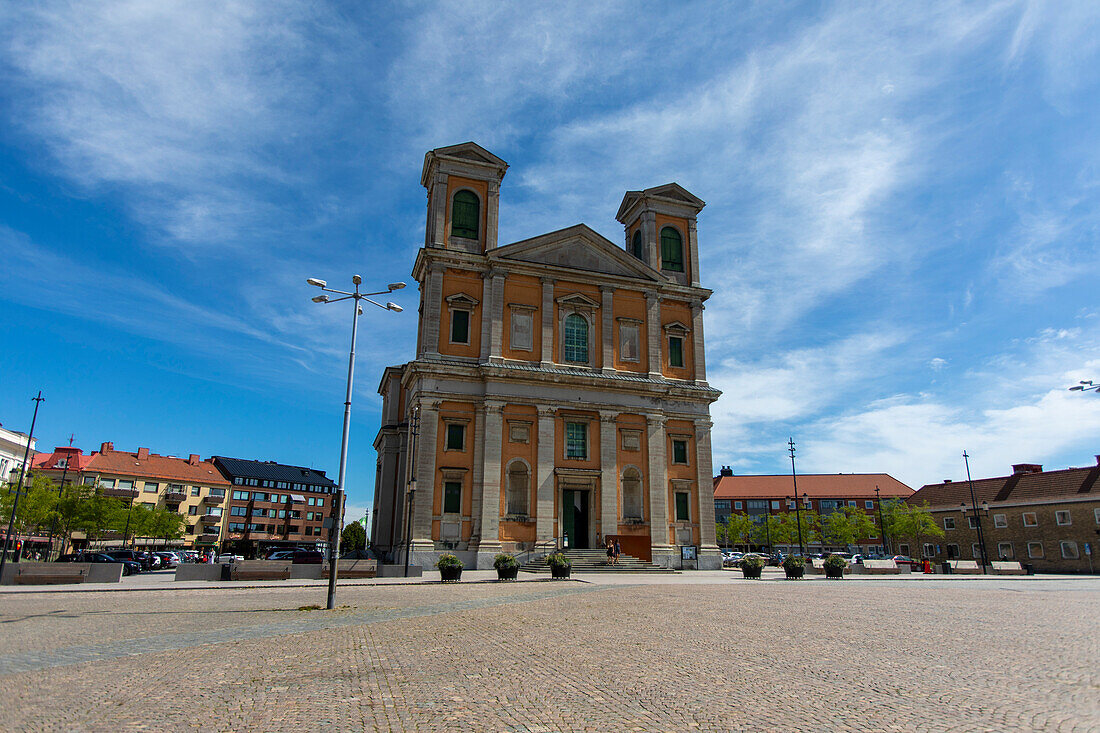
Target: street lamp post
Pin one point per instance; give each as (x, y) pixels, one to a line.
(338, 499)
(881, 524)
(797, 512)
(977, 517)
(409, 524)
(1085, 385)
(19, 488)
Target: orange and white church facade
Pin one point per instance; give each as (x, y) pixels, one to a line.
(558, 396)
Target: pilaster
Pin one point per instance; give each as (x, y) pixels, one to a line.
(693, 252)
(698, 356)
(709, 556)
(609, 474)
(658, 490)
(477, 479)
(649, 240)
(424, 497)
(492, 215)
(439, 210)
(486, 314)
(433, 311)
(544, 496)
(489, 544)
(607, 295)
(653, 333)
(496, 320)
(547, 358)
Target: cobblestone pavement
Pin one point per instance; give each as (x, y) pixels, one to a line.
(980, 655)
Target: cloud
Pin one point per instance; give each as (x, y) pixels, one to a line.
(937, 364)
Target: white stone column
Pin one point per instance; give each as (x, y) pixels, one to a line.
(426, 487)
(698, 356)
(433, 312)
(489, 544)
(693, 252)
(544, 475)
(492, 215)
(607, 295)
(476, 439)
(495, 306)
(439, 207)
(609, 474)
(653, 333)
(658, 490)
(486, 314)
(650, 242)
(709, 556)
(547, 358)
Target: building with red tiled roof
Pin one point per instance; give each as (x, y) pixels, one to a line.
(1049, 519)
(823, 493)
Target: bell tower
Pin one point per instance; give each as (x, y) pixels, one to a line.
(463, 183)
(660, 230)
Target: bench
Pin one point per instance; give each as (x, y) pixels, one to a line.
(258, 570)
(1007, 567)
(49, 574)
(965, 567)
(354, 569)
(881, 567)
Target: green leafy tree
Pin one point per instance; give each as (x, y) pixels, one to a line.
(766, 530)
(720, 534)
(69, 512)
(353, 537)
(846, 525)
(36, 504)
(911, 522)
(165, 524)
(740, 529)
(100, 514)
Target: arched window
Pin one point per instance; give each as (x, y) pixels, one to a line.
(672, 250)
(632, 494)
(518, 489)
(464, 215)
(576, 339)
(636, 245)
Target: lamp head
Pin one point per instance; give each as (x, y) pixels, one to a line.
(394, 307)
(395, 286)
(320, 299)
(316, 283)
(356, 279)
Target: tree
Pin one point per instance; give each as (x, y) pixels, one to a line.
(740, 529)
(69, 511)
(766, 530)
(36, 504)
(846, 525)
(353, 537)
(911, 522)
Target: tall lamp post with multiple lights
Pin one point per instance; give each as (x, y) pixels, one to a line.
(1085, 385)
(797, 512)
(977, 516)
(338, 499)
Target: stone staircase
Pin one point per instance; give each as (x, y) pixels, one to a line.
(595, 561)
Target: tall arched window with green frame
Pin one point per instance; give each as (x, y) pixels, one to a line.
(672, 250)
(465, 215)
(636, 245)
(575, 339)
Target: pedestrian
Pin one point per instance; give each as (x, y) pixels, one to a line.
(610, 552)
(618, 551)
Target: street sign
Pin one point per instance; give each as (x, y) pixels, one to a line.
(1088, 550)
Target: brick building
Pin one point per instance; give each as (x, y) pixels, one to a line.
(823, 493)
(273, 505)
(1050, 519)
(559, 392)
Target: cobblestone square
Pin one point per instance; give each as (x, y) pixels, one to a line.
(656, 655)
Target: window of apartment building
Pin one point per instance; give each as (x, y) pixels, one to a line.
(868, 505)
(790, 503)
(775, 505)
(1069, 550)
(293, 529)
(738, 506)
(929, 549)
(976, 551)
(1030, 520)
(238, 480)
(952, 552)
(972, 522)
(236, 527)
(320, 501)
(1000, 521)
(253, 482)
(148, 504)
(282, 514)
(851, 502)
(295, 514)
(192, 510)
(240, 495)
(1034, 549)
(107, 483)
(672, 250)
(679, 451)
(632, 494)
(89, 480)
(522, 327)
(239, 511)
(452, 497)
(1061, 518)
(125, 484)
(682, 513)
(456, 437)
(311, 501)
(309, 516)
(575, 339)
(1005, 551)
(629, 340)
(259, 496)
(214, 511)
(949, 523)
(676, 351)
(1096, 515)
(194, 491)
(518, 489)
(465, 215)
(576, 441)
(282, 485)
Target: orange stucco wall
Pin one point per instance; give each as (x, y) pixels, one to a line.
(519, 531)
(678, 429)
(563, 288)
(523, 290)
(631, 304)
(468, 283)
(677, 311)
(453, 459)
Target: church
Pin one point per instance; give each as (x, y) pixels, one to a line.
(558, 397)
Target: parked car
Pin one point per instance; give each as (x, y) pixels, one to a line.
(280, 555)
(140, 558)
(168, 559)
(71, 557)
(906, 560)
(731, 559)
(227, 557)
(129, 567)
(190, 555)
(308, 557)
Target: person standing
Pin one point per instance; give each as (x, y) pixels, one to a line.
(618, 551)
(610, 552)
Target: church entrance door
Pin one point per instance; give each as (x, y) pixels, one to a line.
(575, 518)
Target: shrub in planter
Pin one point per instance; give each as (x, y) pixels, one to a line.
(559, 565)
(834, 567)
(507, 566)
(794, 566)
(450, 567)
(751, 565)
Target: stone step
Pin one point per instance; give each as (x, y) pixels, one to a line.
(595, 560)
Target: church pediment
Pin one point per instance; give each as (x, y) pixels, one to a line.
(578, 248)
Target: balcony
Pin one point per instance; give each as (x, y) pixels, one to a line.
(211, 517)
(120, 493)
(174, 496)
(207, 537)
(214, 498)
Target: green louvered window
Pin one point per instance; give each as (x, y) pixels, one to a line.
(672, 250)
(576, 339)
(464, 215)
(636, 245)
(452, 497)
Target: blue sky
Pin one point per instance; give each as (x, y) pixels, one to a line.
(901, 229)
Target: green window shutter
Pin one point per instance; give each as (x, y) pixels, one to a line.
(452, 497)
(460, 327)
(636, 245)
(576, 339)
(679, 451)
(455, 436)
(672, 250)
(465, 215)
(675, 351)
(682, 507)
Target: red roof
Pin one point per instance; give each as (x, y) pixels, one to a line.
(1019, 487)
(48, 461)
(813, 485)
(123, 463)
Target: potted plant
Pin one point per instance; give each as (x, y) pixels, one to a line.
(450, 567)
(559, 565)
(834, 567)
(751, 565)
(507, 566)
(794, 566)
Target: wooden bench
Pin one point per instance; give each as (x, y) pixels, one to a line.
(259, 570)
(965, 567)
(1007, 567)
(49, 574)
(354, 569)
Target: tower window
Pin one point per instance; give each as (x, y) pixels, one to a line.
(460, 327)
(672, 250)
(675, 351)
(576, 339)
(452, 497)
(636, 245)
(465, 215)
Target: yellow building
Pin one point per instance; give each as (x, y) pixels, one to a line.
(558, 395)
